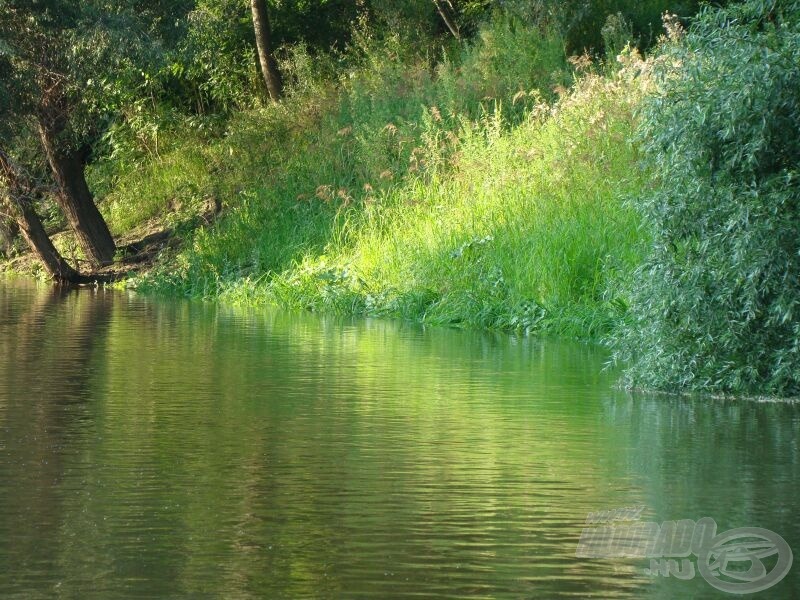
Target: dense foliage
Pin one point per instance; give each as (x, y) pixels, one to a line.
(587, 22)
(85, 58)
(460, 162)
(716, 305)
(473, 195)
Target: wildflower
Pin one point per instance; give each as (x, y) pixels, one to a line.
(672, 26)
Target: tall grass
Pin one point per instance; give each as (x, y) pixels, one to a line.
(465, 193)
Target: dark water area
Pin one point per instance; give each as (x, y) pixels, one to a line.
(172, 449)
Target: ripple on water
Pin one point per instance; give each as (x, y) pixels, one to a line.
(177, 449)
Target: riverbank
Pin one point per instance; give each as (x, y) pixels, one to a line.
(139, 250)
(446, 194)
(401, 205)
(506, 187)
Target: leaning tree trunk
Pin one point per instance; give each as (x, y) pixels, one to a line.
(17, 196)
(75, 199)
(269, 68)
(445, 9)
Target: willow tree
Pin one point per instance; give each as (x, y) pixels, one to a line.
(18, 193)
(715, 307)
(59, 59)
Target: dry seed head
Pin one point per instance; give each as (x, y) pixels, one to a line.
(673, 27)
(581, 63)
(344, 196)
(324, 193)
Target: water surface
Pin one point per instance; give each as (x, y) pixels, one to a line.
(155, 449)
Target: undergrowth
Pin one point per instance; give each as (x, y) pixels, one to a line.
(459, 191)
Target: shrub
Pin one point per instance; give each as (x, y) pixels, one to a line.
(585, 20)
(508, 55)
(716, 305)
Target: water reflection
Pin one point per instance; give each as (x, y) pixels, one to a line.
(155, 449)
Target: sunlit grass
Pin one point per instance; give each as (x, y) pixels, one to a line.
(393, 204)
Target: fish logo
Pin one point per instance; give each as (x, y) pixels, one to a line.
(733, 561)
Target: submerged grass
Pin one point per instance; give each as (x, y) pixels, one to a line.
(444, 195)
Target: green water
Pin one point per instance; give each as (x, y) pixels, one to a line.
(157, 449)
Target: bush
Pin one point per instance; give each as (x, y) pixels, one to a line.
(585, 20)
(508, 55)
(716, 305)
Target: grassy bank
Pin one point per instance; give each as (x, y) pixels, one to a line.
(493, 183)
(484, 189)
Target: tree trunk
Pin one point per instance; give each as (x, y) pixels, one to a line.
(76, 200)
(269, 68)
(17, 196)
(445, 12)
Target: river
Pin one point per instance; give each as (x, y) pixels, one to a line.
(156, 448)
